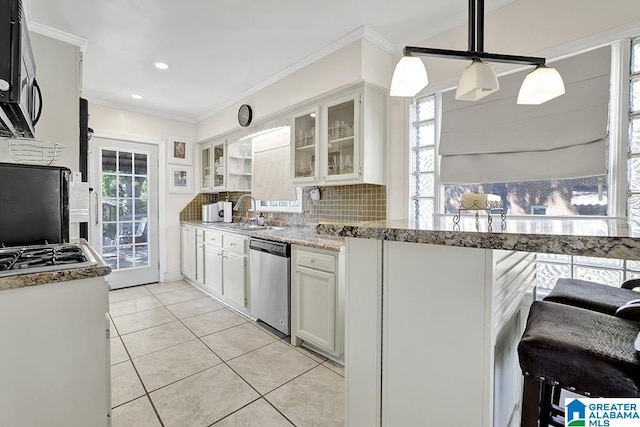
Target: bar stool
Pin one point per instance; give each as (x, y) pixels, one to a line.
(579, 350)
(593, 296)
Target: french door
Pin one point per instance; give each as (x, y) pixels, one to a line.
(124, 227)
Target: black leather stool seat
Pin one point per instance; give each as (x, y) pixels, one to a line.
(591, 295)
(581, 350)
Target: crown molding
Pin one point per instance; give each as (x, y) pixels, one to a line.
(149, 112)
(59, 35)
(362, 32)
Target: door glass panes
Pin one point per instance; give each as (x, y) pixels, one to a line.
(305, 145)
(124, 199)
(341, 122)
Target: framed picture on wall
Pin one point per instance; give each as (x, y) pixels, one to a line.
(180, 179)
(179, 151)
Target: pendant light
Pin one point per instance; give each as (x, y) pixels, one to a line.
(479, 79)
(541, 85)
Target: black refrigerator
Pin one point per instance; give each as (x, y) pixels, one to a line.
(34, 204)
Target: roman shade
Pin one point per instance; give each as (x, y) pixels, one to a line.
(271, 167)
(496, 140)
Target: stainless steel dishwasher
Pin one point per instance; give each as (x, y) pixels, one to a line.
(270, 283)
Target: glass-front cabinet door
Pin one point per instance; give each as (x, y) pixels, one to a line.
(341, 154)
(219, 161)
(205, 168)
(304, 146)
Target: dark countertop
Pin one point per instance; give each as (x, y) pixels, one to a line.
(302, 236)
(606, 238)
(62, 275)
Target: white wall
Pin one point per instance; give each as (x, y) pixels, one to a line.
(136, 125)
(548, 28)
(58, 70)
(58, 74)
(351, 64)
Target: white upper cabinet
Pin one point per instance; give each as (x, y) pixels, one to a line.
(342, 140)
(304, 147)
(213, 163)
(225, 166)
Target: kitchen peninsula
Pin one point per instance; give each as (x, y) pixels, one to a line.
(434, 314)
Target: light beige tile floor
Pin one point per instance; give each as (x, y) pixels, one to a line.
(180, 358)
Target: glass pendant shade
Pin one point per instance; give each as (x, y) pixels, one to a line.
(409, 77)
(541, 85)
(477, 81)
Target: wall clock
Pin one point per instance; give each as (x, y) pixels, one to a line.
(245, 114)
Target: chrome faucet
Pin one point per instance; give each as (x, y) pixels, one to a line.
(255, 207)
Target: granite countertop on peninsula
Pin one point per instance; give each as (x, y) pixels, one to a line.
(606, 238)
(303, 236)
(63, 275)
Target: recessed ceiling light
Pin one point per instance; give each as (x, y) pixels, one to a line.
(136, 96)
(160, 65)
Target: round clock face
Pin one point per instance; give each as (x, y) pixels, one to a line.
(245, 115)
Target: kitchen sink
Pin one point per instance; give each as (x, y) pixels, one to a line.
(245, 226)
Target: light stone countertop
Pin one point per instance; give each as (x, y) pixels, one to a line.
(606, 238)
(62, 275)
(302, 236)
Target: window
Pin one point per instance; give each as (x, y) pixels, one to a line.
(291, 206)
(422, 185)
(584, 196)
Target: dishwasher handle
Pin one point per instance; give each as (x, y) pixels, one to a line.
(270, 247)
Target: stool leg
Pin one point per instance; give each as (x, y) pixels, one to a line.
(546, 392)
(530, 399)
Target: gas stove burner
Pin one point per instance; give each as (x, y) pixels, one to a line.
(36, 259)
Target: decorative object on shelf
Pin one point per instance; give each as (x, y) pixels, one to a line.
(31, 151)
(477, 202)
(479, 79)
(180, 179)
(179, 151)
(245, 115)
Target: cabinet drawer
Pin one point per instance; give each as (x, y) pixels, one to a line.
(317, 261)
(213, 238)
(233, 243)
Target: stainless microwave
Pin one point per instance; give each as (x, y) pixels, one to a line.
(20, 95)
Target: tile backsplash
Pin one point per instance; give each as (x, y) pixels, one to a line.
(363, 202)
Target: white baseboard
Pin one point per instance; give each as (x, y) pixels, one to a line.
(172, 276)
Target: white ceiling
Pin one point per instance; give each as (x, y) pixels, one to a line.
(220, 51)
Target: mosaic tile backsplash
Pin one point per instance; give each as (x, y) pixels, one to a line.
(363, 202)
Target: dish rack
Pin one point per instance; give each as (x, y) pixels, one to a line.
(33, 151)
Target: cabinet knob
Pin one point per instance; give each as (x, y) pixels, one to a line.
(313, 260)
(232, 244)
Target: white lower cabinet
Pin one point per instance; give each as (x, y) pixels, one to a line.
(217, 263)
(188, 252)
(213, 268)
(317, 311)
(233, 277)
(54, 363)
